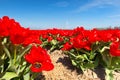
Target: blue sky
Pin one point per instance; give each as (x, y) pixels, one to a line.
(65, 14)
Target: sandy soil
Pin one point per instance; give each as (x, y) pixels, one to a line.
(65, 71)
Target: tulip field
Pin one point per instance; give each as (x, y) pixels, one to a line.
(23, 51)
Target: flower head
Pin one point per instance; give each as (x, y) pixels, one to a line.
(39, 59)
(115, 49)
(67, 46)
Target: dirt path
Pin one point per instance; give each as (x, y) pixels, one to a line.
(65, 71)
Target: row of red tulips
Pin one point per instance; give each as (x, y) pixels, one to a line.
(78, 37)
(81, 38)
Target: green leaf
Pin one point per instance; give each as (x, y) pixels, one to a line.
(54, 42)
(74, 63)
(109, 74)
(52, 48)
(92, 55)
(27, 76)
(7, 52)
(24, 51)
(2, 59)
(80, 57)
(4, 41)
(89, 65)
(96, 62)
(115, 63)
(9, 75)
(85, 57)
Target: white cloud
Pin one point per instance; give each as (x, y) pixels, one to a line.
(62, 4)
(98, 4)
(114, 16)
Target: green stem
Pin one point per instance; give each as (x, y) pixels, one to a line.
(15, 54)
(7, 52)
(71, 54)
(24, 51)
(84, 51)
(9, 56)
(34, 75)
(103, 49)
(110, 61)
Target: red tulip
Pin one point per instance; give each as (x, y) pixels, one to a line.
(60, 39)
(115, 49)
(4, 23)
(81, 42)
(39, 59)
(93, 36)
(18, 35)
(67, 46)
(32, 39)
(49, 38)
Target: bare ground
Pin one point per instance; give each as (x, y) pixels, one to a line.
(63, 70)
